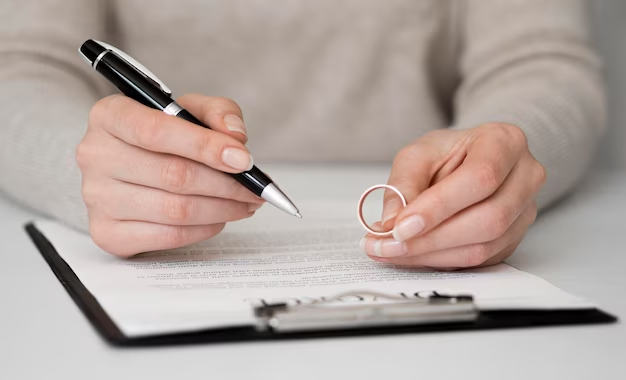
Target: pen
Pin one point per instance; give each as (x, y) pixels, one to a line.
(139, 83)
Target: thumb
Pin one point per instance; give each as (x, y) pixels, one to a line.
(220, 114)
(411, 173)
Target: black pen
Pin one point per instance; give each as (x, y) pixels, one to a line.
(138, 83)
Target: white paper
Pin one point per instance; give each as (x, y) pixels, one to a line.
(275, 258)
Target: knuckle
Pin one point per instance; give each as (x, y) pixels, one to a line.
(83, 155)
(174, 236)
(94, 115)
(390, 198)
(114, 101)
(103, 109)
(178, 209)
(95, 229)
(425, 243)
(541, 175)
(488, 176)
(102, 235)
(227, 104)
(208, 149)
(406, 154)
(178, 175)
(477, 254)
(235, 190)
(516, 135)
(510, 133)
(98, 234)
(98, 111)
(496, 221)
(236, 211)
(90, 194)
(147, 132)
(436, 202)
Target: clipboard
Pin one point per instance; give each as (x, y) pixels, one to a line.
(437, 313)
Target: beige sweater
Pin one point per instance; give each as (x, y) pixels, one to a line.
(318, 80)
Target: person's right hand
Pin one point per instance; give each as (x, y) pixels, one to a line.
(152, 181)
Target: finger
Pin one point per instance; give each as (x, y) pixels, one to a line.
(167, 172)
(488, 162)
(465, 256)
(487, 220)
(411, 174)
(500, 257)
(128, 238)
(124, 201)
(220, 114)
(503, 255)
(477, 255)
(377, 226)
(156, 131)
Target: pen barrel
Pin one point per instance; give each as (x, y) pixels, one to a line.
(136, 85)
(132, 83)
(254, 179)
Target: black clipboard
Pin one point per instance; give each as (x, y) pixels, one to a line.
(111, 333)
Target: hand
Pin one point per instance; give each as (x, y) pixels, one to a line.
(152, 181)
(470, 199)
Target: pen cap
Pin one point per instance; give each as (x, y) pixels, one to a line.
(125, 75)
(91, 50)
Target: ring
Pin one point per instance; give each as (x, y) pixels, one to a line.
(362, 200)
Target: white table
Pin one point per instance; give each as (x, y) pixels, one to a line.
(578, 245)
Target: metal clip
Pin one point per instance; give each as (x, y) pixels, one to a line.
(138, 66)
(392, 311)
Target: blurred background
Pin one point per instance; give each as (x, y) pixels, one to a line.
(609, 19)
(386, 106)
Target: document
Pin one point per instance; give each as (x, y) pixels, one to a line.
(272, 258)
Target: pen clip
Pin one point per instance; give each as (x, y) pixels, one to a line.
(138, 66)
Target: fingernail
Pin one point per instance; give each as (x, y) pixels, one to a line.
(408, 228)
(252, 207)
(389, 248)
(237, 159)
(383, 247)
(235, 124)
(362, 244)
(390, 209)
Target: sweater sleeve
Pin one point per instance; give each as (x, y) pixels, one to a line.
(46, 95)
(529, 63)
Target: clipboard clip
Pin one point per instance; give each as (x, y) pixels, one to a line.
(387, 311)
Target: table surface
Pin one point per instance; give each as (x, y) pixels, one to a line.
(577, 245)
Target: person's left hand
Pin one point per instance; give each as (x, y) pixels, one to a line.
(470, 199)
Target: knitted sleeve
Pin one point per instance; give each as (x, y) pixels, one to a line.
(529, 63)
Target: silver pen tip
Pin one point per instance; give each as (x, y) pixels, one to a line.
(298, 215)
